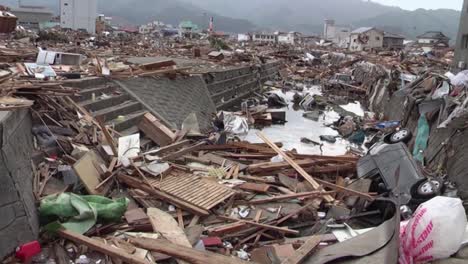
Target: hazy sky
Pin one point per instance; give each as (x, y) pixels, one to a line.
(426, 4)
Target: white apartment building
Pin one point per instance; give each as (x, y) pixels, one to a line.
(79, 14)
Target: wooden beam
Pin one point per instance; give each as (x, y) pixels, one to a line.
(100, 247)
(303, 251)
(109, 138)
(168, 148)
(254, 187)
(288, 196)
(265, 226)
(156, 130)
(137, 184)
(183, 151)
(345, 190)
(180, 252)
(298, 168)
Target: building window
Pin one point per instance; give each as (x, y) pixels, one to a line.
(377, 38)
(65, 4)
(354, 40)
(464, 41)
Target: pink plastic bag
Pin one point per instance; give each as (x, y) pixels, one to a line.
(435, 232)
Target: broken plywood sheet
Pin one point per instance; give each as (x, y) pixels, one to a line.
(165, 224)
(86, 169)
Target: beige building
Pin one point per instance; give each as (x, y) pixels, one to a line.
(336, 34)
(366, 38)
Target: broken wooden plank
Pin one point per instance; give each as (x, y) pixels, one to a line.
(255, 187)
(100, 247)
(168, 148)
(289, 196)
(152, 66)
(265, 226)
(188, 254)
(227, 229)
(183, 151)
(298, 168)
(137, 184)
(156, 130)
(108, 137)
(345, 190)
(303, 251)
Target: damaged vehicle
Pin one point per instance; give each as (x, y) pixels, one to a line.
(393, 170)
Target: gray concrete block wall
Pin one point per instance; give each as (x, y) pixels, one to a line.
(228, 87)
(18, 221)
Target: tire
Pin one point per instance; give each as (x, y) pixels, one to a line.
(427, 189)
(402, 135)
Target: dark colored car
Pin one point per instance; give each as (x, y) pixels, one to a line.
(393, 169)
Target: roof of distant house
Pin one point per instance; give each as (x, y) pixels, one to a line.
(6, 14)
(392, 35)
(188, 24)
(32, 9)
(361, 30)
(433, 35)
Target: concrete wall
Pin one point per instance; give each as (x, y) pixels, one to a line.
(18, 221)
(228, 87)
(461, 50)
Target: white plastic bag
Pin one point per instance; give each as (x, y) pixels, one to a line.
(435, 231)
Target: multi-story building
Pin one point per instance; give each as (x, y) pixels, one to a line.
(339, 35)
(366, 38)
(461, 48)
(265, 37)
(79, 15)
(31, 17)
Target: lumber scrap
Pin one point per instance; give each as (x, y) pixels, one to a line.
(303, 251)
(183, 151)
(289, 196)
(100, 247)
(265, 226)
(255, 187)
(168, 148)
(156, 130)
(152, 66)
(345, 190)
(188, 254)
(298, 168)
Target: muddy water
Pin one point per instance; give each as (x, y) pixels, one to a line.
(290, 134)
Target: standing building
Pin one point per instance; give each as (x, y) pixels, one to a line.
(366, 38)
(461, 48)
(393, 41)
(433, 39)
(7, 21)
(264, 37)
(187, 29)
(31, 17)
(339, 35)
(79, 15)
(291, 38)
